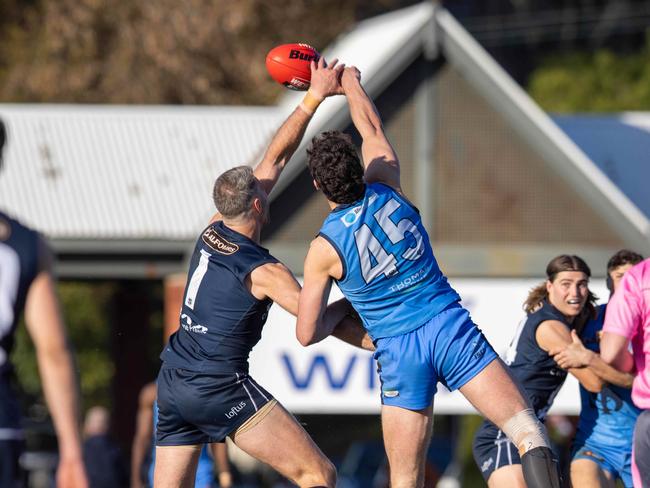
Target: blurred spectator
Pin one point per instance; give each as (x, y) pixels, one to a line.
(103, 458)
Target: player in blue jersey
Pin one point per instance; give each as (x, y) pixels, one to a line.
(27, 285)
(204, 390)
(561, 304)
(374, 245)
(602, 448)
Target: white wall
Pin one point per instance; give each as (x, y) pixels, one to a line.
(332, 377)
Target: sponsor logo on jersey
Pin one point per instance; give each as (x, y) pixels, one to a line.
(486, 465)
(186, 323)
(352, 215)
(235, 410)
(218, 242)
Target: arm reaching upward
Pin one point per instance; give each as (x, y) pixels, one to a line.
(379, 159)
(324, 83)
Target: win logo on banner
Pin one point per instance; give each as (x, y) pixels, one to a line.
(319, 365)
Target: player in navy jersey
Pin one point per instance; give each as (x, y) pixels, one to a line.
(205, 392)
(374, 245)
(27, 285)
(561, 304)
(602, 448)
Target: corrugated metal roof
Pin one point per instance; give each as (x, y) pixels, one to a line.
(118, 172)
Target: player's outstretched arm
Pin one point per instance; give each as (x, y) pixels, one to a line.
(55, 364)
(379, 159)
(275, 280)
(324, 83)
(576, 355)
(552, 335)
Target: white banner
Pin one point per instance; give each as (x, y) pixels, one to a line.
(333, 377)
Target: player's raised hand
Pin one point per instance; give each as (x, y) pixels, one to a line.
(351, 76)
(325, 79)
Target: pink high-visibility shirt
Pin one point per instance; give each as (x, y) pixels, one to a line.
(628, 315)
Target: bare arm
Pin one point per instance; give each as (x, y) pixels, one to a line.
(321, 264)
(552, 335)
(576, 355)
(324, 83)
(220, 455)
(278, 283)
(614, 350)
(55, 363)
(379, 159)
(143, 432)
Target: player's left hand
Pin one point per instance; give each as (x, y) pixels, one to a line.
(71, 474)
(574, 355)
(326, 79)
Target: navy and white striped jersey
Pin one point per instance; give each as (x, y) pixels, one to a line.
(220, 319)
(19, 266)
(536, 371)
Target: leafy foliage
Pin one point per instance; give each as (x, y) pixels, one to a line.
(159, 51)
(85, 307)
(598, 82)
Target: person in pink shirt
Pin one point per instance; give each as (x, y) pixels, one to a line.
(627, 320)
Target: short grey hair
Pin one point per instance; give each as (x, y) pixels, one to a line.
(234, 191)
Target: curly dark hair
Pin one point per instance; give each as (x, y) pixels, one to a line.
(335, 166)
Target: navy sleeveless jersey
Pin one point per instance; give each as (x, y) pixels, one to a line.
(220, 319)
(19, 265)
(609, 414)
(390, 274)
(537, 372)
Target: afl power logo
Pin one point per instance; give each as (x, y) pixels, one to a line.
(218, 243)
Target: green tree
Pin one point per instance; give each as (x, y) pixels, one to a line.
(85, 307)
(593, 82)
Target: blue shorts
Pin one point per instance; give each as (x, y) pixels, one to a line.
(449, 348)
(613, 459)
(199, 408)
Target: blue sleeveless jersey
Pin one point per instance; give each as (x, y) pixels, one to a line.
(220, 319)
(19, 265)
(536, 371)
(608, 416)
(389, 272)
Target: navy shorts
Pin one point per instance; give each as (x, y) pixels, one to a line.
(449, 348)
(198, 408)
(492, 449)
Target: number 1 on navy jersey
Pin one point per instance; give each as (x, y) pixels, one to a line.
(375, 259)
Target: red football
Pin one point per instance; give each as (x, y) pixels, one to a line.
(288, 64)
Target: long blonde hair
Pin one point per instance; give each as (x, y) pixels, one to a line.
(564, 262)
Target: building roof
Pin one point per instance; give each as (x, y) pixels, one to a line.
(124, 172)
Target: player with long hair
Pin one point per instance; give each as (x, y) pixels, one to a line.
(602, 447)
(563, 302)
